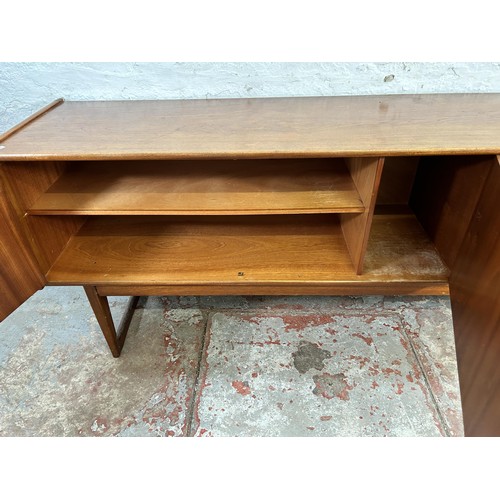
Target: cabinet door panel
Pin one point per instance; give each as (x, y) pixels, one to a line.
(20, 276)
(475, 293)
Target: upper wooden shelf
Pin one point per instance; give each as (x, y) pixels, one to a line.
(390, 125)
(202, 187)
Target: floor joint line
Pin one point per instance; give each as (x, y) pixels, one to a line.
(196, 386)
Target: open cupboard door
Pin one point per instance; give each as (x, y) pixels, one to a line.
(20, 276)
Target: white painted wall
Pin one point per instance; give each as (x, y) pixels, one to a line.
(26, 87)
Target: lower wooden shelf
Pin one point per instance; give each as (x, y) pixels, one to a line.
(291, 254)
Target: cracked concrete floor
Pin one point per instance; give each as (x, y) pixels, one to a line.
(231, 366)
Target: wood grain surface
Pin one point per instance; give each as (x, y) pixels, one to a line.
(456, 200)
(397, 180)
(475, 293)
(47, 236)
(263, 128)
(30, 119)
(303, 288)
(20, 276)
(445, 197)
(252, 251)
(202, 187)
(366, 173)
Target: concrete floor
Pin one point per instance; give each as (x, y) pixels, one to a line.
(231, 366)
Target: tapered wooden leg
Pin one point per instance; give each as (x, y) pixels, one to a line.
(100, 306)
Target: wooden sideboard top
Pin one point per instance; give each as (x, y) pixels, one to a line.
(290, 127)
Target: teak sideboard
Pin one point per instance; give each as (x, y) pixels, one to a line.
(393, 195)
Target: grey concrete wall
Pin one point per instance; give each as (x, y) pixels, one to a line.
(26, 87)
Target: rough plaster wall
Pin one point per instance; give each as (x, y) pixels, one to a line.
(26, 87)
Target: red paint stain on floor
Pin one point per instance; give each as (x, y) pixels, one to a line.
(389, 371)
(367, 340)
(363, 360)
(293, 322)
(241, 387)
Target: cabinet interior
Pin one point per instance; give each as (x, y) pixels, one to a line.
(340, 225)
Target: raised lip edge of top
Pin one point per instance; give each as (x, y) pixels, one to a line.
(31, 118)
